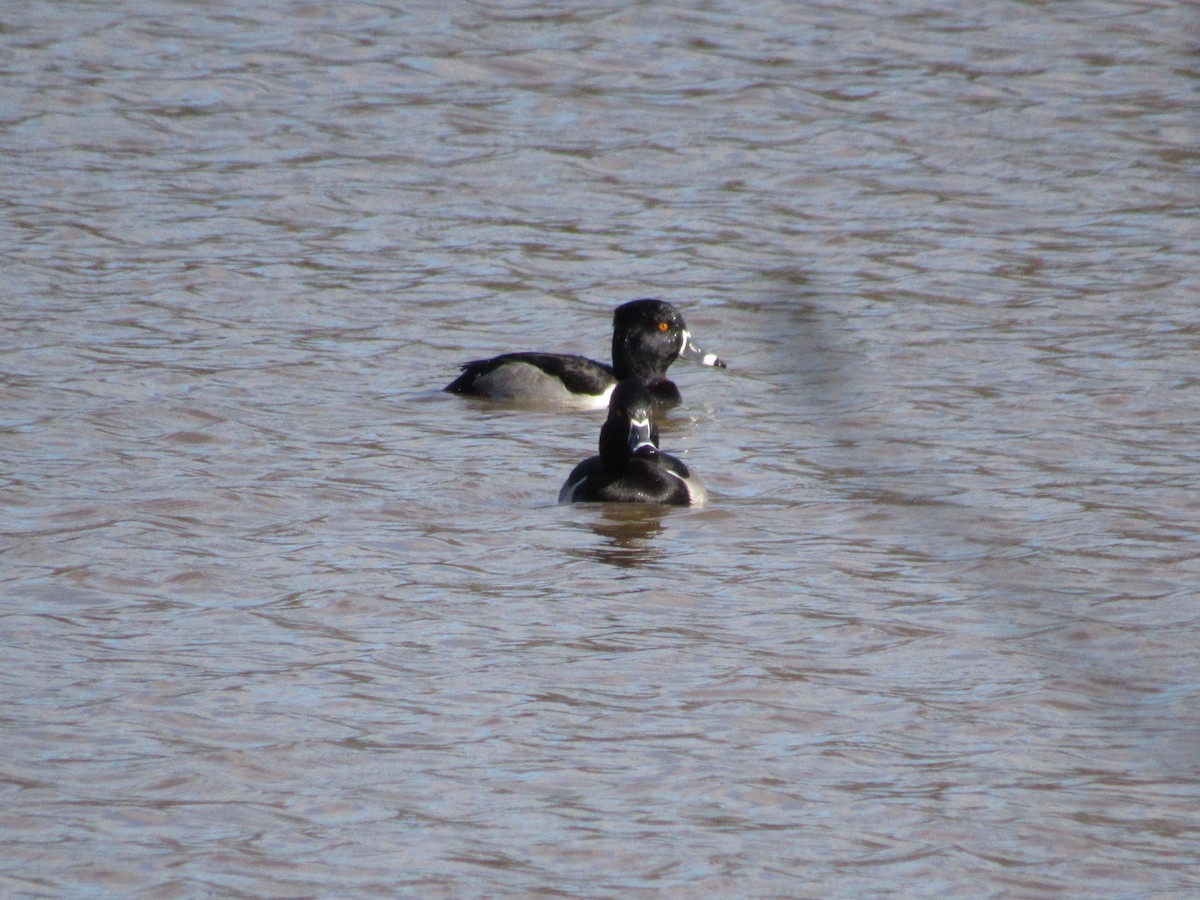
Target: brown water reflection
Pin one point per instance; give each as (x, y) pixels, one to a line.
(627, 535)
(281, 618)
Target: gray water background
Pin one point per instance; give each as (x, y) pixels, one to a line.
(282, 619)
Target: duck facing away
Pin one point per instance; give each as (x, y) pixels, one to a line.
(630, 467)
(648, 335)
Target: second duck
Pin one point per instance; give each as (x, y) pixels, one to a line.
(648, 335)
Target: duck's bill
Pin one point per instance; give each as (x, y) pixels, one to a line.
(641, 436)
(693, 352)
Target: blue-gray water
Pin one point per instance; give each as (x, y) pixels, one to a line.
(282, 619)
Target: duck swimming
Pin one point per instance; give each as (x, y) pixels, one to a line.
(648, 335)
(630, 467)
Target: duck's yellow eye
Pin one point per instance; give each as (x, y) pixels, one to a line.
(664, 326)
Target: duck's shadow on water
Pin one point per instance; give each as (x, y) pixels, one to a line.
(627, 532)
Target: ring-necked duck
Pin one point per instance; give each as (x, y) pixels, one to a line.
(648, 335)
(630, 467)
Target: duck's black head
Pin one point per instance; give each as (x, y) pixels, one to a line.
(649, 335)
(630, 428)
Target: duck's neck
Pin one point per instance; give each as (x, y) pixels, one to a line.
(614, 442)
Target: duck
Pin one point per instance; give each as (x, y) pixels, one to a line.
(648, 335)
(631, 468)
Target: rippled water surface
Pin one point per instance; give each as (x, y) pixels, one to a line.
(283, 619)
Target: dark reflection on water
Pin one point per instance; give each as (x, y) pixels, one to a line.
(627, 533)
(281, 618)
